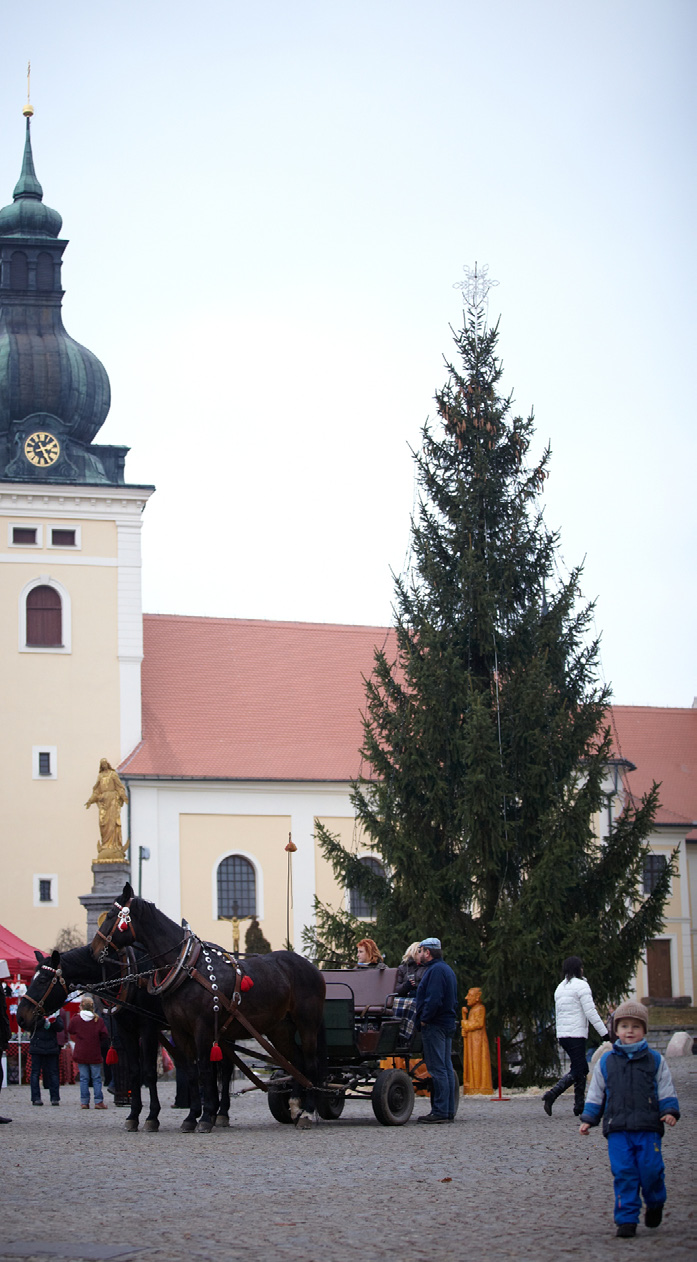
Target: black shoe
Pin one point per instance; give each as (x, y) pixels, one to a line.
(653, 1215)
(578, 1109)
(547, 1102)
(5, 1120)
(37, 1103)
(55, 1103)
(434, 1121)
(626, 1229)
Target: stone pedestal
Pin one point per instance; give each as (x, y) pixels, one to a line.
(109, 880)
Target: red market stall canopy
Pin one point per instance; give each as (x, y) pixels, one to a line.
(19, 955)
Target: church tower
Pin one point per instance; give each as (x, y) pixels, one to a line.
(71, 637)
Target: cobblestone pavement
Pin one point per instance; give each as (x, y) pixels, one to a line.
(503, 1182)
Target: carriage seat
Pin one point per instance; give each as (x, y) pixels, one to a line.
(367, 993)
(373, 988)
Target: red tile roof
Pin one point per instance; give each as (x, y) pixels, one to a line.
(662, 743)
(229, 698)
(251, 700)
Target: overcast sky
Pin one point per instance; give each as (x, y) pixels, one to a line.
(268, 206)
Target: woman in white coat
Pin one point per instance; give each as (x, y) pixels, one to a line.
(574, 1009)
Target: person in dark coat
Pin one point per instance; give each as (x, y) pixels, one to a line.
(45, 1050)
(4, 1033)
(436, 1017)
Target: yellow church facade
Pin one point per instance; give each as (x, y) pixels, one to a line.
(70, 658)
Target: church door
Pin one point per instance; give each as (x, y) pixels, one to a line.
(658, 963)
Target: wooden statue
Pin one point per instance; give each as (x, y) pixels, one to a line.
(109, 795)
(476, 1062)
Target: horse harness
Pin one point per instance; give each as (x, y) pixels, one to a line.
(122, 922)
(184, 968)
(57, 978)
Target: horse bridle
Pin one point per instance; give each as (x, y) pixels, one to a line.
(122, 922)
(57, 978)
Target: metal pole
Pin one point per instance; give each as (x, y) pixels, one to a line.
(496, 1098)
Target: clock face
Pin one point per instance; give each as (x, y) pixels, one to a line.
(42, 449)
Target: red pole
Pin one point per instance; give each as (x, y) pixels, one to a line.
(495, 1098)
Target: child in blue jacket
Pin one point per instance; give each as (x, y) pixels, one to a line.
(633, 1092)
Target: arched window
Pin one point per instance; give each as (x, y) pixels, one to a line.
(359, 905)
(44, 272)
(19, 270)
(44, 618)
(237, 887)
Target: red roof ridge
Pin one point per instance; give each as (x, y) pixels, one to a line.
(664, 709)
(123, 765)
(271, 622)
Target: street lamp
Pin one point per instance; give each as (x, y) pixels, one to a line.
(615, 769)
(143, 853)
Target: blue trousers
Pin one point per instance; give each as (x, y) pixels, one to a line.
(91, 1074)
(636, 1162)
(437, 1047)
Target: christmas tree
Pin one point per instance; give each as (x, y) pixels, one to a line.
(486, 737)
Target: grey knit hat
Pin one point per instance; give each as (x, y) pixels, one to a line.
(632, 1008)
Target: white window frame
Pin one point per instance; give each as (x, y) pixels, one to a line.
(44, 580)
(25, 525)
(46, 876)
(259, 878)
(365, 854)
(52, 751)
(64, 547)
(655, 853)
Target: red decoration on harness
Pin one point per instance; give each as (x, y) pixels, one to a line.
(246, 983)
(216, 1053)
(112, 1056)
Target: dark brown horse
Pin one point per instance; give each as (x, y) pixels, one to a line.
(281, 995)
(138, 1022)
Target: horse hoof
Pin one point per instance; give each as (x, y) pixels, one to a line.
(188, 1125)
(222, 1120)
(132, 1123)
(304, 1122)
(204, 1128)
(152, 1124)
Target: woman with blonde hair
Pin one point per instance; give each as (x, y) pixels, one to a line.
(410, 972)
(368, 955)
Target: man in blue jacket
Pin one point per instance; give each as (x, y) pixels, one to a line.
(436, 1017)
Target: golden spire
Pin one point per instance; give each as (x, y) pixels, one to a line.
(28, 108)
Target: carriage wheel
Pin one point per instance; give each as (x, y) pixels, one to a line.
(278, 1100)
(330, 1107)
(393, 1097)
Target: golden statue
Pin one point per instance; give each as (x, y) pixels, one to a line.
(476, 1062)
(235, 935)
(109, 795)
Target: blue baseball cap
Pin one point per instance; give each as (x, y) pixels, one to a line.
(431, 942)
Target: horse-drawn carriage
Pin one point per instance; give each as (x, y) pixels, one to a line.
(362, 1032)
(327, 1036)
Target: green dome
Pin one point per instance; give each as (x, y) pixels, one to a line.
(27, 216)
(42, 369)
